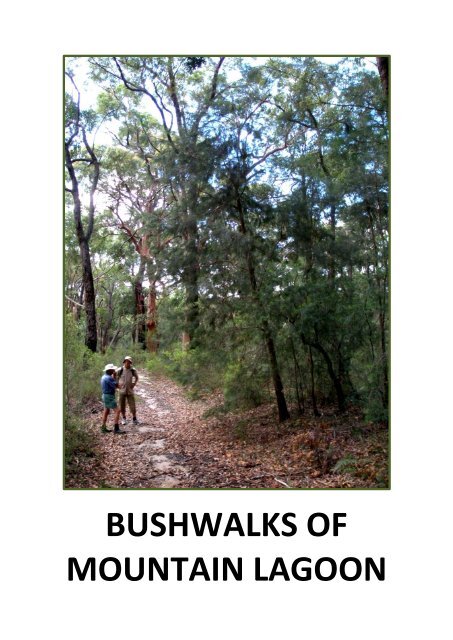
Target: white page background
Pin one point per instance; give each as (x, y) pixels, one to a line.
(42, 525)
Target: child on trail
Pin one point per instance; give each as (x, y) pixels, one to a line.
(109, 385)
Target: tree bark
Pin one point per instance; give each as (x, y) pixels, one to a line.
(105, 331)
(151, 319)
(190, 277)
(139, 329)
(341, 400)
(298, 380)
(83, 240)
(312, 378)
(381, 284)
(283, 413)
(89, 298)
(383, 68)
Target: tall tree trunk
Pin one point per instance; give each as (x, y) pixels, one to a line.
(331, 197)
(89, 297)
(105, 332)
(298, 380)
(139, 329)
(283, 413)
(385, 397)
(312, 379)
(151, 319)
(333, 225)
(383, 68)
(83, 238)
(307, 245)
(341, 400)
(190, 277)
(381, 283)
(115, 338)
(343, 373)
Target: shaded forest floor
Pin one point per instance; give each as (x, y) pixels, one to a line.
(192, 444)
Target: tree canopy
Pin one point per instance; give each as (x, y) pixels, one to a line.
(230, 217)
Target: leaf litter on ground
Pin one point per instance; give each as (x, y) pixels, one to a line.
(182, 443)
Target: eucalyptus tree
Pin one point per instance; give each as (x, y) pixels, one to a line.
(181, 93)
(83, 167)
(136, 199)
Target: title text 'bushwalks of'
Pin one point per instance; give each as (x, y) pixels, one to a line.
(184, 524)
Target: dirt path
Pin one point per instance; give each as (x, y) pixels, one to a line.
(147, 455)
(177, 446)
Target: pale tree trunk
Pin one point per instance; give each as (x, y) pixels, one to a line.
(184, 144)
(105, 330)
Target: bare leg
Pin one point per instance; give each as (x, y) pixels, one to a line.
(123, 405)
(105, 416)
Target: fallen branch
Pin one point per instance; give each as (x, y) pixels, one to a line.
(283, 483)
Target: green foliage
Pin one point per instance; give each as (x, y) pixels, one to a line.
(192, 368)
(265, 222)
(348, 464)
(83, 368)
(194, 62)
(367, 378)
(374, 408)
(78, 441)
(244, 386)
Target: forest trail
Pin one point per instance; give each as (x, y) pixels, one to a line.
(290, 373)
(176, 446)
(183, 443)
(147, 455)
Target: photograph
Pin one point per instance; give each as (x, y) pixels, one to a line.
(226, 303)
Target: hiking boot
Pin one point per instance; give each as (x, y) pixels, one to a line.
(118, 430)
(123, 421)
(105, 430)
(135, 421)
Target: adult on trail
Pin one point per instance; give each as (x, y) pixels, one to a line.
(127, 379)
(109, 385)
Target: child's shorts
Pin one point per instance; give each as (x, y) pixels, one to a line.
(109, 401)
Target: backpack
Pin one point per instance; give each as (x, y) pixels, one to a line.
(120, 372)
